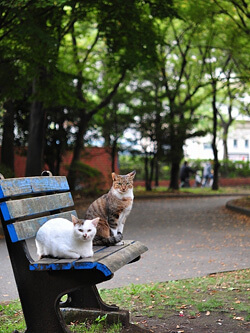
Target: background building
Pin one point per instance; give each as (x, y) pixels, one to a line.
(238, 143)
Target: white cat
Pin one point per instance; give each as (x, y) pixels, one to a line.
(61, 238)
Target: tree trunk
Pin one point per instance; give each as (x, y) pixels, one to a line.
(34, 162)
(77, 150)
(176, 157)
(156, 171)
(174, 175)
(7, 154)
(113, 155)
(147, 181)
(152, 164)
(216, 166)
(225, 152)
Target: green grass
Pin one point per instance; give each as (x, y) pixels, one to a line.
(193, 190)
(227, 292)
(96, 327)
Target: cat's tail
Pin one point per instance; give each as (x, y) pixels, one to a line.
(109, 241)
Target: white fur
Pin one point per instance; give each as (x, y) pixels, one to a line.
(63, 239)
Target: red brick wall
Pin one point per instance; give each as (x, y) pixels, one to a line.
(95, 157)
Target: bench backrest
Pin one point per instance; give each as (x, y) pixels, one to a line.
(27, 203)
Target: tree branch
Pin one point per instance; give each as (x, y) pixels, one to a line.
(108, 98)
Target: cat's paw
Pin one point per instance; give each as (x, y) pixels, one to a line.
(120, 243)
(118, 238)
(87, 255)
(73, 255)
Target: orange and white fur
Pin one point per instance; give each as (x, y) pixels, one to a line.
(113, 209)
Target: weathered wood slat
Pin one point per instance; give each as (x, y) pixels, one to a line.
(31, 206)
(27, 229)
(103, 253)
(22, 186)
(108, 260)
(47, 264)
(124, 256)
(55, 264)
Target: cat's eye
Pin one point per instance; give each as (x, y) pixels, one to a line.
(89, 230)
(81, 230)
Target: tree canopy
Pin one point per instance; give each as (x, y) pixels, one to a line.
(70, 68)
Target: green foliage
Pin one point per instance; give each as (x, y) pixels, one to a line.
(127, 163)
(11, 317)
(228, 169)
(170, 50)
(209, 293)
(95, 327)
(89, 180)
(233, 169)
(6, 171)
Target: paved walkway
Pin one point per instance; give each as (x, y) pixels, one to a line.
(186, 237)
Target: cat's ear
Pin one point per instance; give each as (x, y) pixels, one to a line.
(132, 174)
(113, 175)
(75, 220)
(95, 221)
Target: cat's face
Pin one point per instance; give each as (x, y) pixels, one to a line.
(122, 183)
(84, 230)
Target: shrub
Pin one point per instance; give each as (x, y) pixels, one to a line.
(88, 180)
(6, 171)
(233, 169)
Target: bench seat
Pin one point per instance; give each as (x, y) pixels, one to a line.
(105, 259)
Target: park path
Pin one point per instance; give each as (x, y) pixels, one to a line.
(186, 237)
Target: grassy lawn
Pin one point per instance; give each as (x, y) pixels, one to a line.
(223, 292)
(193, 190)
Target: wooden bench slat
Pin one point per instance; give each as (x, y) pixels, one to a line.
(31, 206)
(27, 229)
(103, 253)
(124, 256)
(108, 260)
(22, 186)
(54, 263)
(47, 264)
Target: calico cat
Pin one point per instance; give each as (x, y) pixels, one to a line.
(61, 238)
(113, 209)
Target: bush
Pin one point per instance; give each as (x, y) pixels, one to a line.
(128, 163)
(6, 171)
(88, 180)
(228, 169)
(233, 169)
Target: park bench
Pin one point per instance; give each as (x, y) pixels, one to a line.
(26, 204)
